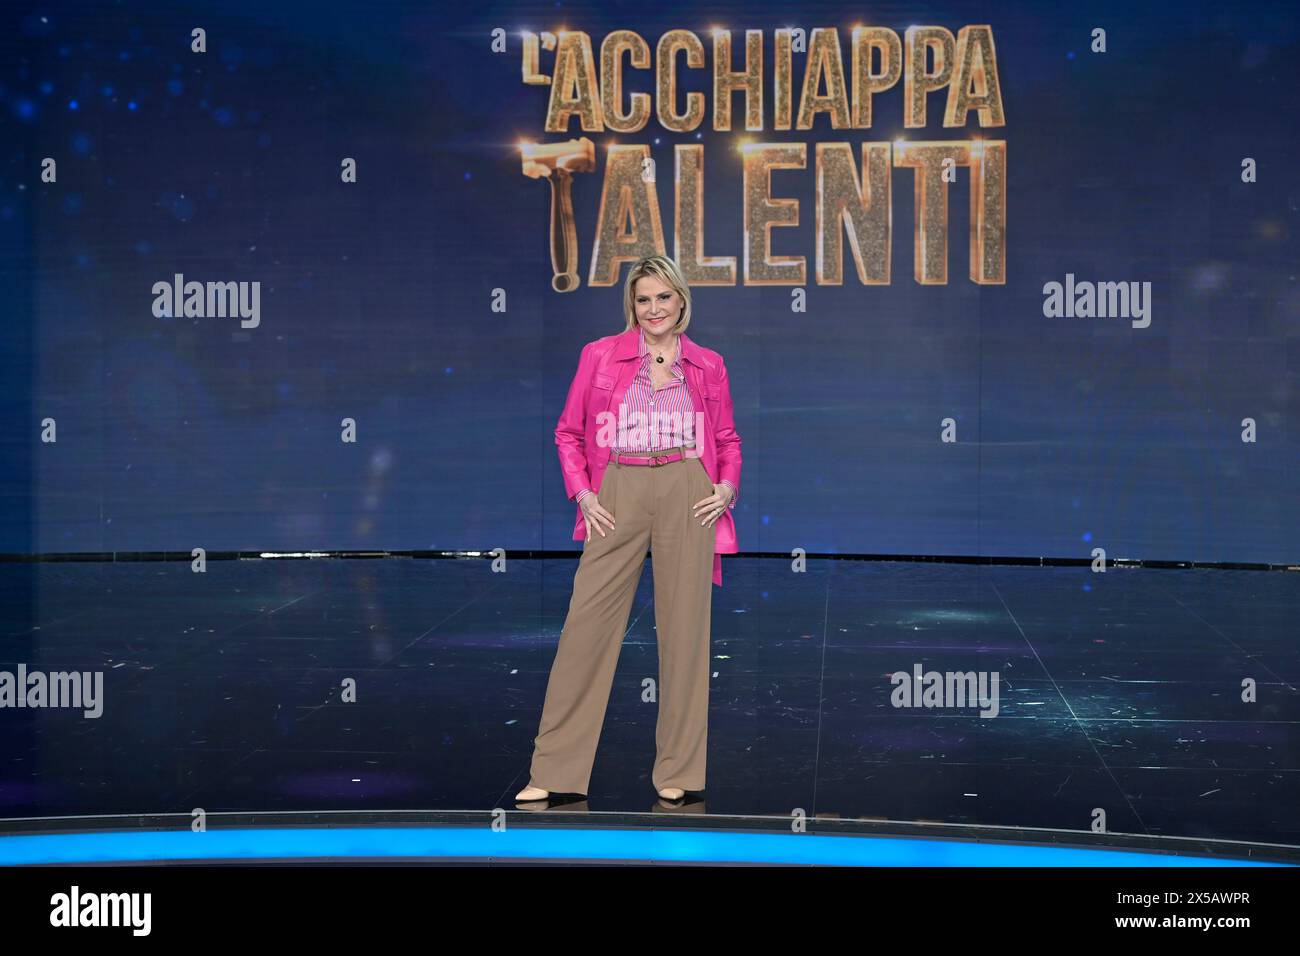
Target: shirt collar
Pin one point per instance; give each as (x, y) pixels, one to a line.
(627, 344)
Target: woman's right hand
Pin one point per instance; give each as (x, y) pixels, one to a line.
(593, 514)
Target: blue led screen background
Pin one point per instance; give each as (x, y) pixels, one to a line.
(376, 297)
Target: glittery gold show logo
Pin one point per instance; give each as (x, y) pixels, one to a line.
(926, 59)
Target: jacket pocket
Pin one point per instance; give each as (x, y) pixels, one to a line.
(601, 397)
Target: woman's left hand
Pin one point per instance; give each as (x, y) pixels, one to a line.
(710, 509)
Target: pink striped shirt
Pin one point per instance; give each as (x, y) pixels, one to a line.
(671, 401)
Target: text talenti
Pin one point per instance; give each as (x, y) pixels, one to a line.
(853, 193)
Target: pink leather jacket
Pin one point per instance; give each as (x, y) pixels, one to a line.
(605, 370)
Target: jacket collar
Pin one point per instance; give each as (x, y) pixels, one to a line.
(628, 347)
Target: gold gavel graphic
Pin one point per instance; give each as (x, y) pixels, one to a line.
(557, 162)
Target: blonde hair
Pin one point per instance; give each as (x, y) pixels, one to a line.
(667, 272)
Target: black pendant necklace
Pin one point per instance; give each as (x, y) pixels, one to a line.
(660, 358)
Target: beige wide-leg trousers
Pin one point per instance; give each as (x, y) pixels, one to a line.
(652, 505)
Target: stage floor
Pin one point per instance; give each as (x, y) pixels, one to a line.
(1119, 694)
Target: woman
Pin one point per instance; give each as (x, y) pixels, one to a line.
(637, 487)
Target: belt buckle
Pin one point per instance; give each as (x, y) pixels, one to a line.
(659, 460)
